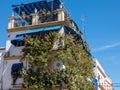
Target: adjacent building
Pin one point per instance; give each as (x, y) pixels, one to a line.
(2, 50)
(103, 81)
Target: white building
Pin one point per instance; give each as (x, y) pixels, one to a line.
(29, 22)
(104, 82)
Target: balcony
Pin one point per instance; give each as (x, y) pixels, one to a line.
(12, 57)
(46, 24)
(37, 19)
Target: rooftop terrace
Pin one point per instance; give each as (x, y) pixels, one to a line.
(37, 13)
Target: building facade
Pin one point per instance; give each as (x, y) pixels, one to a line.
(29, 20)
(103, 81)
(2, 50)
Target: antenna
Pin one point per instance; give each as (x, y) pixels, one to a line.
(83, 24)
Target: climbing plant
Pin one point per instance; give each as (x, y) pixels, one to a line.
(43, 50)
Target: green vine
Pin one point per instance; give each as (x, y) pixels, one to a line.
(40, 55)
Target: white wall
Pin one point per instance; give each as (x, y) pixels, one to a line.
(14, 51)
(12, 35)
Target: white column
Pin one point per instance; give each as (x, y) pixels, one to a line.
(11, 23)
(35, 18)
(61, 14)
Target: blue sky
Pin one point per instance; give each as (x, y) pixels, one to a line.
(102, 29)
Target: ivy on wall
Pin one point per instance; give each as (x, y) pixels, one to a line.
(40, 55)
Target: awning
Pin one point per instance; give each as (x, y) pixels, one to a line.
(43, 29)
(42, 4)
(16, 67)
(17, 39)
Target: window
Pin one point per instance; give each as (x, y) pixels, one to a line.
(16, 68)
